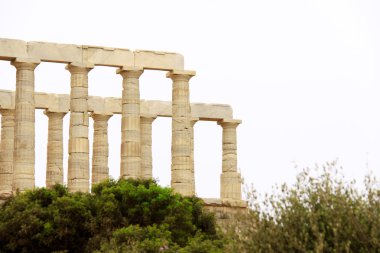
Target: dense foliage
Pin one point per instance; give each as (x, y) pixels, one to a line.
(119, 216)
(322, 213)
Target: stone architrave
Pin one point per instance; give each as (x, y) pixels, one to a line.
(100, 170)
(181, 168)
(78, 165)
(6, 153)
(230, 180)
(130, 152)
(54, 161)
(24, 132)
(193, 121)
(146, 145)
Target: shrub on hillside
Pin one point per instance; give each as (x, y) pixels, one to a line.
(318, 214)
(132, 214)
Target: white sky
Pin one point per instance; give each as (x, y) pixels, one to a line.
(303, 75)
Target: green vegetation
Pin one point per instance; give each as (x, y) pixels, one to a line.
(119, 216)
(321, 213)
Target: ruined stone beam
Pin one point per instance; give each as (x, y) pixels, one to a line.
(61, 103)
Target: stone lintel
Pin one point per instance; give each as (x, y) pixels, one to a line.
(26, 60)
(11, 49)
(61, 103)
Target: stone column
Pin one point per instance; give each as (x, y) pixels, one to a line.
(130, 160)
(181, 167)
(100, 169)
(230, 180)
(78, 168)
(54, 161)
(146, 145)
(6, 153)
(192, 123)
(24, 143)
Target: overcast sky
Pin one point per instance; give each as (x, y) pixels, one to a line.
(303, 75)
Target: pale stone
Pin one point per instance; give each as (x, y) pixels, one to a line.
(54, 52)
(130, 162)
(54, 161)
(101, 56)
(230, 179)
(100, 170)
(18, 121)
(181, 134)
(24, 124)
(158, 60)
(106, 56)
(61, 103)
(78, 165)
(146, 145)
(6, 153)
(11, 49)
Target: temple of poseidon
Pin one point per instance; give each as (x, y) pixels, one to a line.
(17, 108)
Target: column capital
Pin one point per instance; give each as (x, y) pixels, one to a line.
(127, 71)
(229, 122)
(180, 74)
(25, 63)
(7, 112)
(77, 67)
(101, 116)
(49, 113)
(193, 121)
(147, 118)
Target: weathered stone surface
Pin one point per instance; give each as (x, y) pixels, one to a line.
(130, 162)
(100, 170)
(102, 56)
(146, 145)
(78, 166)
(18, 121)
(6, 153)
(182, 177)
(54, 161)
(230, 180)
(24, 124)
(61, 103)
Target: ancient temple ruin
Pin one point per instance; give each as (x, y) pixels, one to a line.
(17, 108)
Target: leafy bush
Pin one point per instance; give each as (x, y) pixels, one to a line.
(119, 216)
(318, 214)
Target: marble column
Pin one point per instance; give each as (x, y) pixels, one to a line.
(181, 168)
(78, 165)
(192, 123)
(230, 180)
(6, 153)
(130, 152)
(54, 161)
(100, 170)
(24, 132)
(146, 146)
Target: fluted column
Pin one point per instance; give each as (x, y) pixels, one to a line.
(146, 145)
(24, 132)
(181, 175)
(78, 167)
(100, 169)
(230, 180)
(130, 157)
(6, 153)
(192, 123)
(54, 161)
